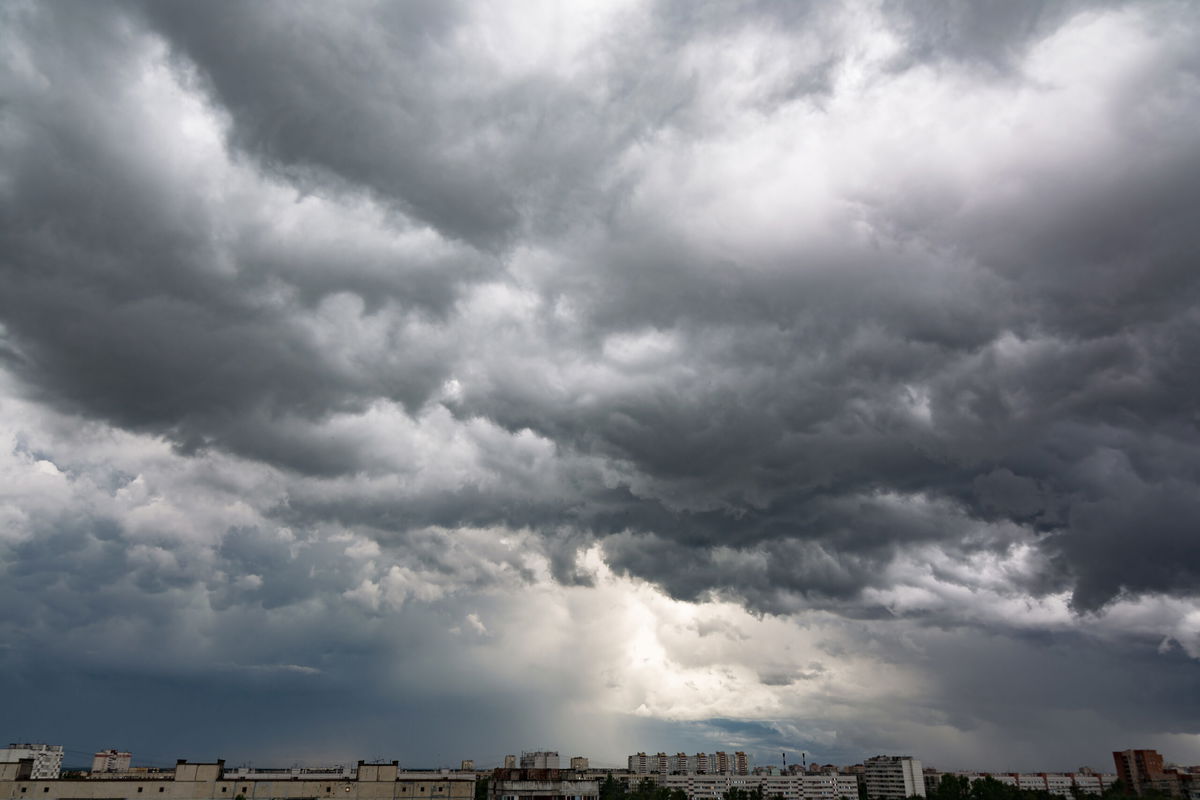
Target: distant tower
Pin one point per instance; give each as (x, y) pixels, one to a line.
(111, 761)
(510, 762)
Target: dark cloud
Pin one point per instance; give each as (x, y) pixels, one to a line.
(886, 314)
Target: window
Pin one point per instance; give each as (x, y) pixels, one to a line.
(45, 788)
(224, 788)
(160, 788)
(139, 790)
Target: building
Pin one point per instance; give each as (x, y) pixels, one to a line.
(788, 787)
(209, 781)
(1143, 770)
(830, 786)
(893, 777)
(1064, 784)
(741, 763)
(540, 759)
(510, 762)
(47, 758)
(335, 773)
(111, 761)
(467, 765)
(540, 784)
(579, 763)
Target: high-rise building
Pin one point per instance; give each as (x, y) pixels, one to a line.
(111, 761)
(579, 763)
(741, 764)
(510, 762)
(468, 765)
(893, 777)
(639, 764)
(1142, 770)
(47, 758)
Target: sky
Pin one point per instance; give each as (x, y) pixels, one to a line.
(440, 380)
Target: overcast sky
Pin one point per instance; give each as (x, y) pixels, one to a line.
(437, 380)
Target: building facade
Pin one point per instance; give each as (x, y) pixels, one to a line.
(1143, 770)
(1064, 784)
(540, 784)
(719, 763)
(893, 777)
(782, 787)
(191, 781)
(111, 761)
(47, 758)
(540, 759)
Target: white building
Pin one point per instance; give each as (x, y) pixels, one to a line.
(829, 786)
(893, 777)
(787, 787)
(47, 758)
(111, 761)
(1064, 784)
(335, 772)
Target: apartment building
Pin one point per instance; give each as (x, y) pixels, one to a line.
(785, 787)
(111, 761)
(893, 777)
(1064, 784)
(46, 758)
(719, 763)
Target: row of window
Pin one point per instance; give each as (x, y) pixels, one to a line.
(47, 788)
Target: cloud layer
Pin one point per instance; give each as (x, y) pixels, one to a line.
(786, 376)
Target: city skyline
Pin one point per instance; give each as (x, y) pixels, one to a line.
(423, 377)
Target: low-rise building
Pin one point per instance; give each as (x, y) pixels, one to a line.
(539, 759)
(775, 787)
(1064, 784)
(540, 784)
(209, 781)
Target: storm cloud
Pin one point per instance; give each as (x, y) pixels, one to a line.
(812, 376)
